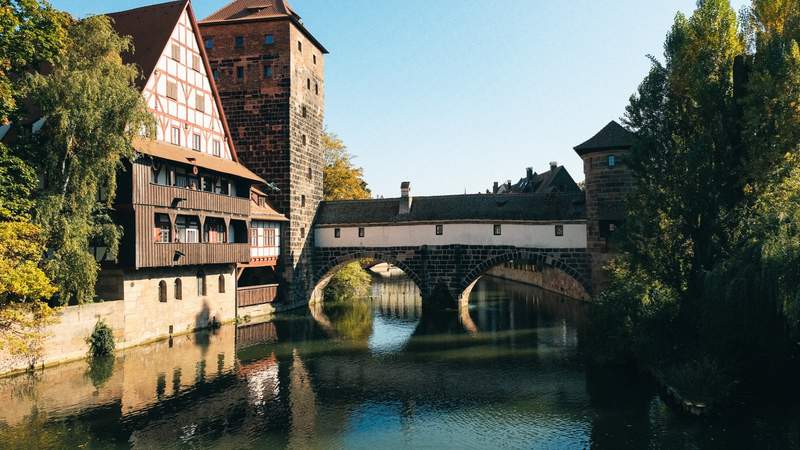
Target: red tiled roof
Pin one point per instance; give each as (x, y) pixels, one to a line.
(252, 9)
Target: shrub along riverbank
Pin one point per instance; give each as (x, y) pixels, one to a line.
(705, 294)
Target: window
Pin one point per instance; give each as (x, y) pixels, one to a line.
(303, 139)
(240, 73)
(308, 83)
(314, 58)
(160, 173)
(162, 291)
(360, 231)
(199, 102)
(176, 52)
(303, 232)
(302, 200)
(196, 142)
(267, 71)
(196, 63)
(178, 285)
(304, 111)
(214, 232)
(221, 186)
(299, 46)
(310, 173)
(238, 42)
(612, 161)
(559, 230)
(337, 233)
(175, 137)
(172, 90)
(497, 229)
(209, 43)
(216, 148)
(269, 39)
(316, 88)
(221, 283)
(162, 232)
(201, 283)
(439, 230)
(215, 73)
(188, 229)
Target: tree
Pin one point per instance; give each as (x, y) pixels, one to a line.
(341, 180)
(92, 110)
(31, 33)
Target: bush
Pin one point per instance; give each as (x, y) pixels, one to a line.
(351, 281)
(101, 341)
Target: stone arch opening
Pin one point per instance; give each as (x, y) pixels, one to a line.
(546, 271)
(324, 274)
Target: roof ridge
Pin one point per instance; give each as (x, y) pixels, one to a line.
(125, 11)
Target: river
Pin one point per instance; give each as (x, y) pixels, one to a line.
(505, 373)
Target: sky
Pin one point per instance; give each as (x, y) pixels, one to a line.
(452, 95)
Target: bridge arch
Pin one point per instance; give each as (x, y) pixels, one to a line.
(539, 259)
(324, 274)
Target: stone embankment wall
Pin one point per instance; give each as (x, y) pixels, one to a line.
(142, 317)
(546, 278)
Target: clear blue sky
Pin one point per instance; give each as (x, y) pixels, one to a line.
(454, 94)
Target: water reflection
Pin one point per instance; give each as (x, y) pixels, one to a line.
(513, 378)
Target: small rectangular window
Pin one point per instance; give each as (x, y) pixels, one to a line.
(215, 74)
(238, 42)
(497, 229)
(196, 142)
(240, 73)
(299, 46)
(269, 39)
(303, 139)
(314, 58)
(302, 200)
(175, 137)
(612, 161)
(163, 229)
(176, 52)
(439, 230)
(559, 230)
(308, 83)
(200, 102)
(303, 232)
(216, 148)
(196, 63)
(267, 71)
(310, 173)
(360, 231)
(316, 88)
(172, 90)
(304, 111)
(337, 233)
(209, 43)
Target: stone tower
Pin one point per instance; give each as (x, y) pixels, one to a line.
(608, 181)
(269, 71)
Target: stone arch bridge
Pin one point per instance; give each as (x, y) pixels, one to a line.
(445, 243)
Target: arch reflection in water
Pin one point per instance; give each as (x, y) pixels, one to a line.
(397, 306)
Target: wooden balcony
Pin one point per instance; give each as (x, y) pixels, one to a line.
(153, 254)
(256, 295)
(150, 194)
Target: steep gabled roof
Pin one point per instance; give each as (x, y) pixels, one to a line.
(612, 136)
(150, 27)
(445, 208)
(254, 10)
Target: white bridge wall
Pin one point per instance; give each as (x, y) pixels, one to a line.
(515, 234)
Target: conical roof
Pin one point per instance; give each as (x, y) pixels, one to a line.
(612, 136)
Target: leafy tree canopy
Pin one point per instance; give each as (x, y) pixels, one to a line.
(341, 179)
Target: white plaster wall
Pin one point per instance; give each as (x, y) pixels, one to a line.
(520, 235)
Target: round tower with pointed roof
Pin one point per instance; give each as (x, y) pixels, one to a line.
(269, 70)
(608, 181)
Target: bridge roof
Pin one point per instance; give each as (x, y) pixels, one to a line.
(446, 208)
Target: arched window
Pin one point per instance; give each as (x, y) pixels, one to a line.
(201, 283)
(178, 289)
(162, 291)
(221, 283)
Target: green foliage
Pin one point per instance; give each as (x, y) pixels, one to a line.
(101, 368)
(31, 33)
(93, 110)
(101, 341)
(351, 317)
(351, 281)
(341, 180)
(17, 185)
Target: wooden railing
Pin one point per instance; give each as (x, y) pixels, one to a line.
(256, 295)
(154, 254)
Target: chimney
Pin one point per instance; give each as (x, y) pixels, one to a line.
(495, 187)
(553, 165)
(508, 184)
(405, 198)
(529, 173)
